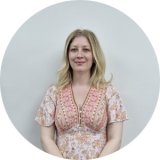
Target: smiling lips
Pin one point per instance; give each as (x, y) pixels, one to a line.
(79, 62)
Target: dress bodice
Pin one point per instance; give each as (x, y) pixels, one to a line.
(93, 114)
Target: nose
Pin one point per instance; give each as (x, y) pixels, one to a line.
(79, 53)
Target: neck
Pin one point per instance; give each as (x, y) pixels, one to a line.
(80, 78)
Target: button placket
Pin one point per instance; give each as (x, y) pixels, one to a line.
(80, 108)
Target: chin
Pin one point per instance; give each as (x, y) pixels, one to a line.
(79, 70)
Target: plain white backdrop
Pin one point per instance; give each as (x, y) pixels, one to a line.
(14, 15)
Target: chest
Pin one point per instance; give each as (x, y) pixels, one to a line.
(79, 96)
(93, 111)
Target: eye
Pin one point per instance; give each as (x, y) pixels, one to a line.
(86, 49)
(73, 49)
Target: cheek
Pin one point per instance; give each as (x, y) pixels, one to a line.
(69, 57)
(90, 58)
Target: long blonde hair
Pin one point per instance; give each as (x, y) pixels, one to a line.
(98, 67)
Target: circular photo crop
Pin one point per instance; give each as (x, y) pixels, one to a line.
(81, 69)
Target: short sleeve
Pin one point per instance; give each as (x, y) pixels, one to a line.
(46, 112)
(115, 107)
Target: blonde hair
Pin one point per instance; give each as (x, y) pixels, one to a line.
(98, 68)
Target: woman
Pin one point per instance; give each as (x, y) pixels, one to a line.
(82, 116)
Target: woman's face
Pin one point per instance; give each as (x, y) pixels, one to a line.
(80, 55)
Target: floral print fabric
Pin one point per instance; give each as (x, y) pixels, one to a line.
(87, 139)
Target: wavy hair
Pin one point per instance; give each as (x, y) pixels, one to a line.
(97, 78)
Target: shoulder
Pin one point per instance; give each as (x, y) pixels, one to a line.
(52, 87)
(52, 90)
(111, 90)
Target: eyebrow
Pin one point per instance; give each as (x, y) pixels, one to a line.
(82, 46)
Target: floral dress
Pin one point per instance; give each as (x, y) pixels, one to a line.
(81, 134)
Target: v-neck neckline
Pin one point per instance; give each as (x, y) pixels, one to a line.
(85, 100)
(79, 109)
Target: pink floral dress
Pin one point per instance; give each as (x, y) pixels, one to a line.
(81, 134)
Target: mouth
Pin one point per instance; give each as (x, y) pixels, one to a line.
(79, 62)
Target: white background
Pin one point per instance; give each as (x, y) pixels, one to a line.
(14, 14)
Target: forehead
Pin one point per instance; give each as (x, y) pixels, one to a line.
(80, 41)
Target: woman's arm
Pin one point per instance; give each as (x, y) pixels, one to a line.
(114, 133)
(48, 142)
